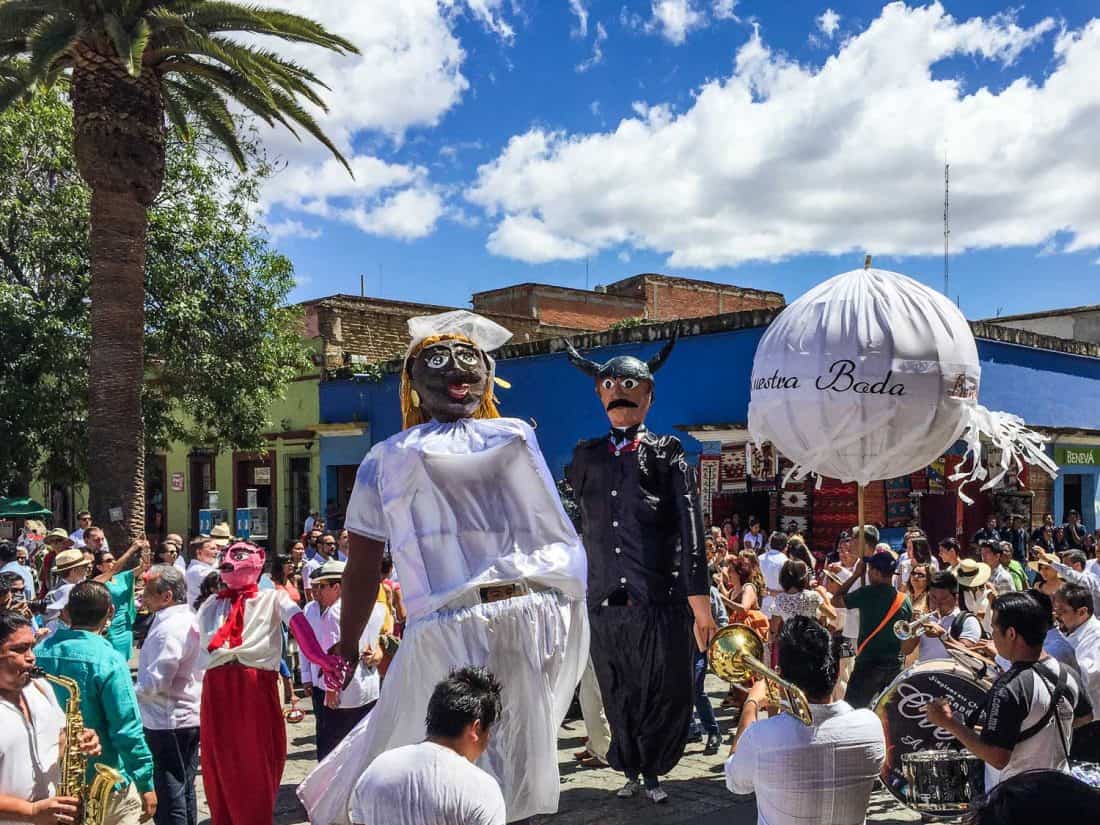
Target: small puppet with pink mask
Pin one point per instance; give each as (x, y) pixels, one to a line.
(241, 729)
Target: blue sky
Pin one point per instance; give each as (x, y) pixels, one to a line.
(756, 143)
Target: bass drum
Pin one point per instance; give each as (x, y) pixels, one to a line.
(900, 707)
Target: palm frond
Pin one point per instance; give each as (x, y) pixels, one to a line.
(227, 16)
(49, 41)
(176, 108)
(208, 105)
(289, 106)
(19, 17)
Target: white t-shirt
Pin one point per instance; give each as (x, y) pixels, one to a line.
(197, 571)
(1001, 580)
(29, 750)
(848, 616)
(752, 541)
(426, 784)
(933, 648)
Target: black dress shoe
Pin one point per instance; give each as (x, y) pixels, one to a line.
(714, 741)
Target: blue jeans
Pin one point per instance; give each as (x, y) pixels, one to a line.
(175, 763)
(702, 701)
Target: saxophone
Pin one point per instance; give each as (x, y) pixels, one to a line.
(73, 763)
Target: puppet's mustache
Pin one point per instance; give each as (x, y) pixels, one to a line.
(621, 402)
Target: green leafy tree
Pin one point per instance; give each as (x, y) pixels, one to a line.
(130, 66)
(220, 343)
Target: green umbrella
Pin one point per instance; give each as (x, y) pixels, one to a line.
(22, 508)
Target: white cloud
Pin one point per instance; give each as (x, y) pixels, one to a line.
(580, 11)
(724, 9)
(291, 228)
(526, 238)
(594, 108)
(779, 159)
(408, 75)
(828, 22)
(674, 19)
(597, 50)
(407, 215)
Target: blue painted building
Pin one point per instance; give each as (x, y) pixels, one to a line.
(703, 393)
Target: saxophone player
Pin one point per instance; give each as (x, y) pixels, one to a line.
(32, 727)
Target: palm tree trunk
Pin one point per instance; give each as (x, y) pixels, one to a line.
(116, 433)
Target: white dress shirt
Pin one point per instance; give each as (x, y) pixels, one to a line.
(933, 648)
(181, 564)
(365, 682)
(29, 749)
(771, 563)
(309, 568)
(169, 685)
(848, 617)
(196, 572)
(261, 644)
(1085, 641)
(1092, 567)
(1084, 579)
(821, 773)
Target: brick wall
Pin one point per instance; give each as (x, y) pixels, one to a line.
(559, 306)
(668, 298)
(377, 329)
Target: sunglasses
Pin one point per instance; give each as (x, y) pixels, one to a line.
(918, 575)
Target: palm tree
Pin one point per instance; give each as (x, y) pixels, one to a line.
(133, 69)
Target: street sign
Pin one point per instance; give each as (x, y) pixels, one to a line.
(1069, 455)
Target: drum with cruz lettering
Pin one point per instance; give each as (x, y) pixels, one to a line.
(925, 768)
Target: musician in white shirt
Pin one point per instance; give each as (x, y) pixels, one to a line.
(822, 772)
(1073, 612)
(943, 600)
(169, 688)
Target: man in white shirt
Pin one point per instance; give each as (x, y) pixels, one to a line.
(1026, 728)
(437, 782)
(84, 522)
(943, 599)
(204, 555)
(771, 563)
(31, 726)
(14, 560)
(847, 617)
(181, 560)
(169, 688)
(822, 772)
(1071, 568)
(72, 567)
(999, 577)
(356, 700)
(753, 538)
(1074, 614)
(326, 550)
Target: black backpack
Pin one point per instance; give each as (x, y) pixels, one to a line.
(956, 629)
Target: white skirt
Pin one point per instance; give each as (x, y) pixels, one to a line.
(536, 645)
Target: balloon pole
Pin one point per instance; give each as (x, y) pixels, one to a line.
(859, 510)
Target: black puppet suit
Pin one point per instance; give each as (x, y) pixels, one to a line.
(643, 534)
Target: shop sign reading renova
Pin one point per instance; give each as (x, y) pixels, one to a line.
(1075, 454)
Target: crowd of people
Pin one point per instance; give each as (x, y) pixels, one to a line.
(70, 608)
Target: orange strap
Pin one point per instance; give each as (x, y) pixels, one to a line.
(899, 600)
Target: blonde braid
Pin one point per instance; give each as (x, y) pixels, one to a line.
(411, 415)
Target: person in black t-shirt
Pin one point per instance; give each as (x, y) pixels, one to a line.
(989, 532)
(1025, 727)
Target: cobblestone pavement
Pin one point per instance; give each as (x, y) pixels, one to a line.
(697, 787)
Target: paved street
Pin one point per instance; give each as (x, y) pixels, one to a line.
(697, 788)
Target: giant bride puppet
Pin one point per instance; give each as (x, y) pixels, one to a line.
(491, 568)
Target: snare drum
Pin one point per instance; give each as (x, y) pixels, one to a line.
(942, 783)
(900, 707)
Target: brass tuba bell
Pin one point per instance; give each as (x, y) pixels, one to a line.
(735, 654)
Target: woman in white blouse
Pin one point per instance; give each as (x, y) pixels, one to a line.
(799, 598)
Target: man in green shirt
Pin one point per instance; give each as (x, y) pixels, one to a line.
(878, 655)
(107, 699)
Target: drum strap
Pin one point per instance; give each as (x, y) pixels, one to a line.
(1057, 693)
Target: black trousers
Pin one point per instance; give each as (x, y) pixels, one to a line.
(333, 724)
(644, 657)
(867, 679)
(175, 764)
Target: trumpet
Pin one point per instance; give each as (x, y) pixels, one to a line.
(734, 655)
(917, 627)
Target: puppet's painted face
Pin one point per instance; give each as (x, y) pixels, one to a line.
(451, 378)
(241, 565)
(625, 399)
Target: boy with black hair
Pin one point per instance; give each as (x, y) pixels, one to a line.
(437, 782)
(961, 625)
(108, 703)
(1033, 707)
(823, 772)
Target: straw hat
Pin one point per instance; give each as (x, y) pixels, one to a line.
(330, 571)
(972, 573)
(69, 560)
(220, 534)
(58, 534)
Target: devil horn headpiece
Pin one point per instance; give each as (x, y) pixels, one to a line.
(623, 366)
